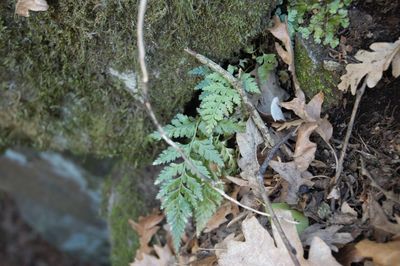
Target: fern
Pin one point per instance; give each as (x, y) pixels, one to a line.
(183, 193)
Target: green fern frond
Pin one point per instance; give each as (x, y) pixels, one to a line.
(199, 71)
(205, 148)
(169, 155)
(219, 103)
(178, 212)
(206, 208)
(181, 126)
(200, 168)
(249, 83)
(169, 172)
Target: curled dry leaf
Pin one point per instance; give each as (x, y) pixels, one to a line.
(23, 7)
(290, 172)
(248, 143)
(310, 114)
(165, 258)
(372, 65)
(146, 227)
(330, 235)
(304, 152)
(259, 248)
(281, 32)
(379, 220)
(219, 217)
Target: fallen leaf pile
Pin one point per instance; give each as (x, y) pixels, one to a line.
(23, 7)
(259, 248)
(372, 65)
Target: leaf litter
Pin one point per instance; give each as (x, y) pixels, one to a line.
(293, 179)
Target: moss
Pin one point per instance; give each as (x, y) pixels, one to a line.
(55, 67)
(313, 78)
(127, 205)
(127, 198)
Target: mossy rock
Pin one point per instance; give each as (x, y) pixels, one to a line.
(55, 84)
(311, 72)
(128, 194)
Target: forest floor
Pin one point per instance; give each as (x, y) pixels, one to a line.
(368, 206)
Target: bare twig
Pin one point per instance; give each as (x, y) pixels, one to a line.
(267, 202)
(269, 141)
(338, 173)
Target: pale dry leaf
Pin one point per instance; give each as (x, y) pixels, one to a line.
(288, 124)
(248, 143)
(238, 181)
(345, 208)
(259, 248)
(281, 32)
(379, 220)
(373, 64)
(330, 235)
(310, 113)
(382, 254)
(219, 217)
(222, 246)
(165, 258)
(293, 176)
(23, 7)
(304, 152)
(146, 227)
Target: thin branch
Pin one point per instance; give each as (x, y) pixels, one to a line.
(338, 176)
(267, 202)
(269, 141)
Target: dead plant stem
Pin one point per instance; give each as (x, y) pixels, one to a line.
(338, 175)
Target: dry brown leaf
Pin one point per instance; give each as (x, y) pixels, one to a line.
(259, 247)
(219, 217)
(248, 143)
(281, 32)
(330, 235)
(23, 7)
(146, 227)
(293, 176)
(379, 220)
(310, 114)
(372, 65)
(304, 152)
(165, 258)
(382, 254)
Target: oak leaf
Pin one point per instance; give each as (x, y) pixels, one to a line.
(259, 248)
(291, 173)
(165, 258)
(281, 32)
(23, 7)
(372, 65)
(146, 227)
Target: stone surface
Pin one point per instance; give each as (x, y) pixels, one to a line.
(59, 200)
(313, 74)
(56, 89)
